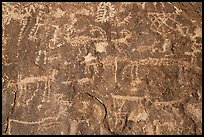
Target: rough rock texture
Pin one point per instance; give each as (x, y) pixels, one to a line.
(102, 68)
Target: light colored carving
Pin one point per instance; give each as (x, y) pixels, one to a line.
(124, 40)
(86, 11)
(103, 35)
(27, 80)
(125, 20)
(28, 122)
(89, 58)
(10, 12)
(54, 57)
(116, 67)
(101, 47)
(166, 103)
(47, 121)
(89, 61)
(66, 82)
(33, 33)
(24, 23)
(166, 45)
(159, 20)
(55, 38)
(129, 98)
(105, 12)
(80, 40)
(33, 95)
(143, 5)
(39, 106)
(178, 11)
(165, 62)
(22, 86)
(41, 53)
(179, 29)
(85, 81)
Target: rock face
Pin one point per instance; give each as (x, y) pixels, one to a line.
(102, 68)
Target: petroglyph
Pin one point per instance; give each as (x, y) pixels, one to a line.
(89, 58)
(41, 53)
(34, 93)
(23, 85)
(129, 98)
(95, 29)
(165, 62)
(33, 33)
(159, 22)
(27, 80)
(105, 12)
(125, 20)
(164, 103)
(102, 68)
(27, 123)
(101, 47)
(127, 35)
(85, 80)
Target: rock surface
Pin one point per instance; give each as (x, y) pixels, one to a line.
(102, 68)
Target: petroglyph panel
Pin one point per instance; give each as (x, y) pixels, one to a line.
(101, 68)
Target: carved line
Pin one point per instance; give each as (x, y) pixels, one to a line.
(130, 98)
(31, 98)
(27, 123)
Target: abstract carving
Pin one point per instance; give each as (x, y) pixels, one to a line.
(101, 68)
